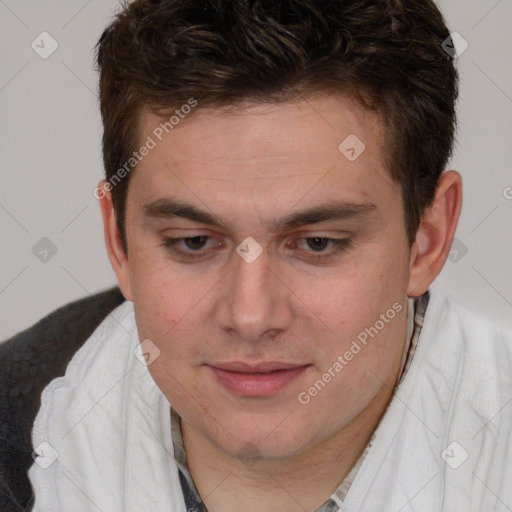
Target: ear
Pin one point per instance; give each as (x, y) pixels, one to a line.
(118, 258)
(435, 234)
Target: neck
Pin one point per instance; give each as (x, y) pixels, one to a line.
(228, 484)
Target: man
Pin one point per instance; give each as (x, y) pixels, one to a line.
(275, 210)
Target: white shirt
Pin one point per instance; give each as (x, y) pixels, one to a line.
(444, 443)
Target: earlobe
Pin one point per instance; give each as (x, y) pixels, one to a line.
(115, 250)
(435, 234)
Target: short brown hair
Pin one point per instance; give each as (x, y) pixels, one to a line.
(385, 53)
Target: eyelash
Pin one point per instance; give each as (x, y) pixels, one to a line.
(340, 245)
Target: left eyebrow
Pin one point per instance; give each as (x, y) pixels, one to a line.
(328, 212)
(331, 211)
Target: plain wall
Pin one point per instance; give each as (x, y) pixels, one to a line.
(50, 138)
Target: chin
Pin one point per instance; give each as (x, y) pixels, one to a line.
(265, 436)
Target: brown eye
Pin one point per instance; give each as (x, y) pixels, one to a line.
(191, 248)
(195, 242)
(320, 249)
(317, 244)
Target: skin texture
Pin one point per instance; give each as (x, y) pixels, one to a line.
(252, 165)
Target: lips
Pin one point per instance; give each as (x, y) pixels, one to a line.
(267, 367)
(256, 380)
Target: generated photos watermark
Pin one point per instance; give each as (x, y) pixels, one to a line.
(357, 345)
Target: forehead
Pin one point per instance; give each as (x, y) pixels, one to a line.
(251, 156)
(248, 130)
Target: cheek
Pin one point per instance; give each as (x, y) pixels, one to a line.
(352, 296)
(164, 295)
(166, 312)
(361, 355)
(361, 316)
(171, 308)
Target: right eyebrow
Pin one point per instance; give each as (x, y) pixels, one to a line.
(168, 208)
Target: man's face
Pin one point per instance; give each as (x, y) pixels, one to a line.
(224, 318)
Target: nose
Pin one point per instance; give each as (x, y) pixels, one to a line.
(255, 303)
